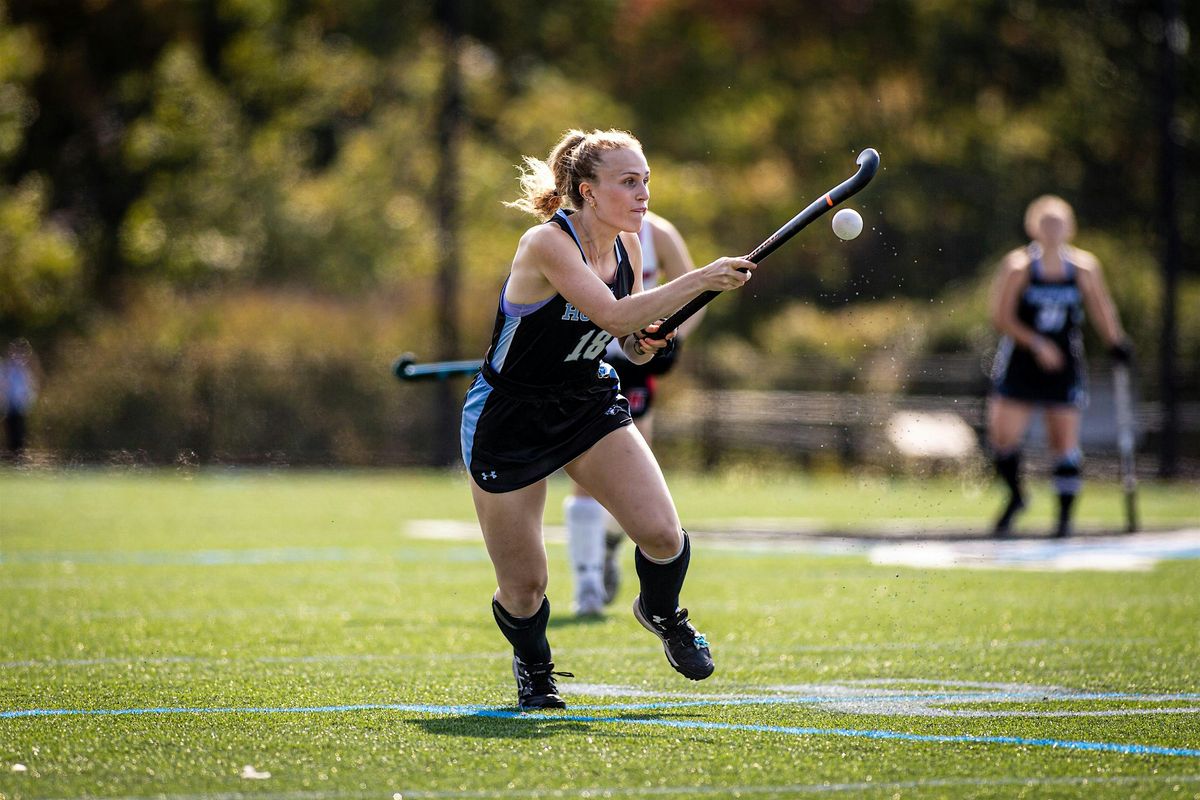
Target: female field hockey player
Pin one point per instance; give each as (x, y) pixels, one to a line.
(545, 400)
(1038, 301)
(591, 544)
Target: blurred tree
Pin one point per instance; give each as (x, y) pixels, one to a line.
(40, 263)
(84, 97)
(293, 142)
(449, 129)
(242, 145)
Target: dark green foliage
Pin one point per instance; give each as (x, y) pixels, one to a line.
(248, 147)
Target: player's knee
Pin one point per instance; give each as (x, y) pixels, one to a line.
(663, 540)
(523, 593)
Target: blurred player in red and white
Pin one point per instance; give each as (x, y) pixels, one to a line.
(1038, 301)
(592, 538)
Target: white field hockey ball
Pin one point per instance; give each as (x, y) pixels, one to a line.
(847, 224)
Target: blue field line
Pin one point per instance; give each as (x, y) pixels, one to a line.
(500, 713)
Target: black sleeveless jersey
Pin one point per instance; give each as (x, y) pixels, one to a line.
(544, 396)
(1053, 309)
(553, 343)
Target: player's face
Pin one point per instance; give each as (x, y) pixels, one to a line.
(1052, 229)
(622, 189)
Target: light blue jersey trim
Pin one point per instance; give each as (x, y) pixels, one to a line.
(505, 341)
(1004, 354)
(574, 236)
(520, 309)
(477, 397)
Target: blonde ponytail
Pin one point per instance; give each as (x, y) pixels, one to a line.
(547, 186)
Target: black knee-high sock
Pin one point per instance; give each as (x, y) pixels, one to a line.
(1008, 467)
(527, 635)
(661, 583)
(1065, 503)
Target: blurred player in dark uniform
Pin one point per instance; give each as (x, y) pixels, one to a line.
(592, 545)
(545, 400)
(19, 382)
(1038, 306)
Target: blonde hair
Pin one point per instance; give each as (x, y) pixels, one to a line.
(1045, 206)
(549, 185)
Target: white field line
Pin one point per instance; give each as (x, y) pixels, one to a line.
(1096, 553)
(1113, 712)
(862, 698)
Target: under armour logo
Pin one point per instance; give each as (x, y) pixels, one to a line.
(613, 409)
(658, 620)
(487, 475)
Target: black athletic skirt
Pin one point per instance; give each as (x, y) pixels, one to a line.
(1016, 375)
(514, 435)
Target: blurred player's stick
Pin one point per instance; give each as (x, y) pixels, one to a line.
(406, 368)
(868, 163)
(1123, 401)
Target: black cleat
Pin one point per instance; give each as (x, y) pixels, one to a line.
(686, 648)
(612, 566)
(1003, 527)
(535, 685)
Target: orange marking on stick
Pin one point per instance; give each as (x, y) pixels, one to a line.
(829, 200)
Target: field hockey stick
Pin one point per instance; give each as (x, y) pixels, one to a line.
(406, 368)
(1123, 401)
(868, 163)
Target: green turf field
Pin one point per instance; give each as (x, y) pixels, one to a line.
(184, 635)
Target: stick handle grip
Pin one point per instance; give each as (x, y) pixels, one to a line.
(679, 317)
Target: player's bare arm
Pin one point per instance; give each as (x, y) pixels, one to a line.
(555, 256)
(528, 284)
(1096, 298)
